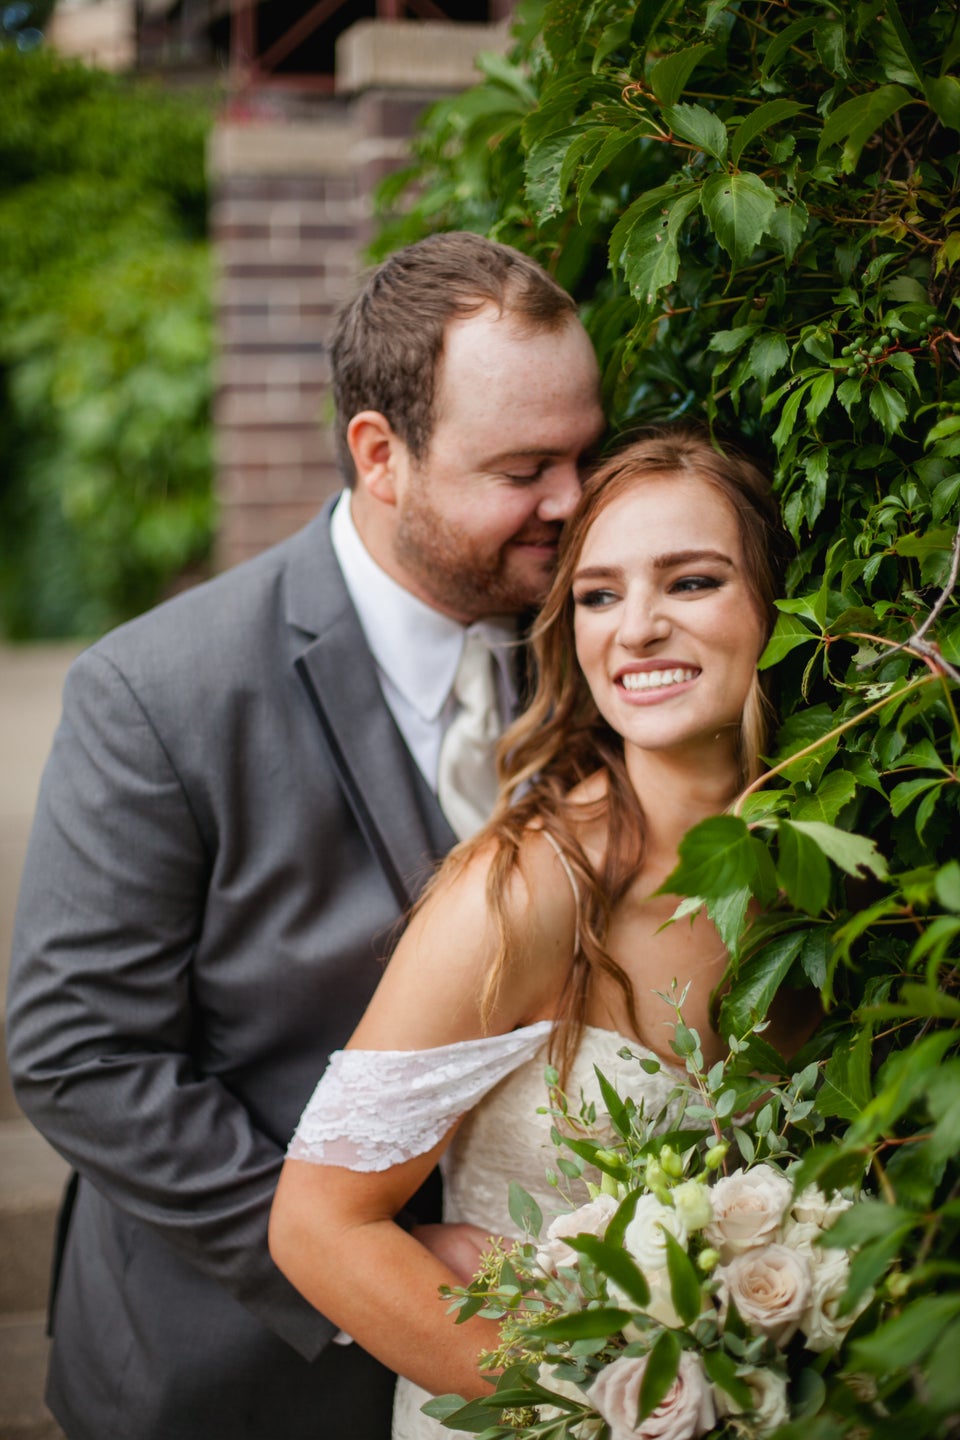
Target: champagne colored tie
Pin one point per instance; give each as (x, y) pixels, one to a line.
(466, 778)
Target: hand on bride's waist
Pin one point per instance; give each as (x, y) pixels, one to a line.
(458, 1246)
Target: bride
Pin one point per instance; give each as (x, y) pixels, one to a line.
(542, 937)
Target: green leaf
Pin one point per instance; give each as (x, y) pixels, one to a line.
(834, 791)
(615, 37)
(685, 1289)
(700, 126)
(544, 166)
(780, 45)
(616, 1264)
(888, 407)
(650, 256)
(904, 1341)
(561, 27)
(943, 96)
(758, 122)
(728, 342)
(663, 1362)
(583, 1325)
(853, 853)
(723, 1373)
(855, 121)
(768, 354)
(729, 913)
(846, 1089)
(716, 856)
(905, 793)
(661, 198)
(947, 885)
(616, 1109)
(669, 76)
(788, 633)
(803, 870)
(757, 981)
(787, 227)
(615, 143)
(740, 208)
(821, 393)
(524, 1210)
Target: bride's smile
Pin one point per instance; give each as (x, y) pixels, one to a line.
(667, 627)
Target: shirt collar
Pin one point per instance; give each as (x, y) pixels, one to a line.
(417, 647)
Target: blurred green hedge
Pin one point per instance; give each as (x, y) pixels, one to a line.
(105, 345)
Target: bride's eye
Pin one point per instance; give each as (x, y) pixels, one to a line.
(689, 584)
(594, 599)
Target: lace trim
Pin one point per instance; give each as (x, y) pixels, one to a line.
(377, 1108)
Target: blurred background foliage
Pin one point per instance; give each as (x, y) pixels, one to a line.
(105, 345)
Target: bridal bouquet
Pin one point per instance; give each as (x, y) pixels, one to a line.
(693, 1289)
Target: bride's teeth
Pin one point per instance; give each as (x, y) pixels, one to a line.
(654, 679)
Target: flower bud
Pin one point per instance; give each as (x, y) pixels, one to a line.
(716, 1155)
(657, 1181)
(691, 1200)
(708, 1260)
(671, 1162)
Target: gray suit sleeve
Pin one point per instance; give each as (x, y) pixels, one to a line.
(101, 1014)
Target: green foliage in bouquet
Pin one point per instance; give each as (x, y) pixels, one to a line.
(105, 345)
(756, 203)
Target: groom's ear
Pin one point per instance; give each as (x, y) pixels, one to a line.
(377, 451)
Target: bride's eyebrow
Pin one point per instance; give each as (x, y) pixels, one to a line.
(597, 572)
(690, 557)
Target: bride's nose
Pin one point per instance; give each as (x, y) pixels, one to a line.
(644, 619)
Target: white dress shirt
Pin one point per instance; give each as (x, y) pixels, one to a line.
(415, 648)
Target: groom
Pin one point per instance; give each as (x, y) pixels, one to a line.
(241, 803)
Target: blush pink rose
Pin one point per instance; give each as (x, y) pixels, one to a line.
(590, 1219)
(748, 1207)
(686, 1411)
(770, 1287)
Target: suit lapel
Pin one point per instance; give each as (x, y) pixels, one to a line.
(399, 818)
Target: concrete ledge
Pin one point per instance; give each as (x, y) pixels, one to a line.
(297, 147)
(414, 54)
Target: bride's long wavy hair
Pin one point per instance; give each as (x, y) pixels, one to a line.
(561, 738)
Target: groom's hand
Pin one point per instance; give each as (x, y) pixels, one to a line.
(458, 1246)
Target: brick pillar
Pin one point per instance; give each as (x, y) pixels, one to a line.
(283, 222)
(291, 213)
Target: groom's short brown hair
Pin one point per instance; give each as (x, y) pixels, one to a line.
(389, 339)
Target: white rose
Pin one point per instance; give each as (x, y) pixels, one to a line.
(811, 1207)
(691, 1200)
(768, 1400)
(770, 1287)
(822, 1324)
(591, 1219)
(686, 1411)
(801, 1235)
(643, 1237)
(587, 1427)
(748, 1207)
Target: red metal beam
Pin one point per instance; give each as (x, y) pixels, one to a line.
(298, 32)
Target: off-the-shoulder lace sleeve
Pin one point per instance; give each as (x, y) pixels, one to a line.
(377, 1108)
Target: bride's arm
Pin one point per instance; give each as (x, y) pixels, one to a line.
(332, 1230)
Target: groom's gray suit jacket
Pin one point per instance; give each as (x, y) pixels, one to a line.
(228, 829)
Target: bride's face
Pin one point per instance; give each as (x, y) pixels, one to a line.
(668, 629)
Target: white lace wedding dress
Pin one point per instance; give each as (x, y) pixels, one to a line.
(373, 1109)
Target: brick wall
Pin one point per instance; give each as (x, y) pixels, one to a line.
(291, 213)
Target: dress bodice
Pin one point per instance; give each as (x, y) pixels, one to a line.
(507, 1134)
